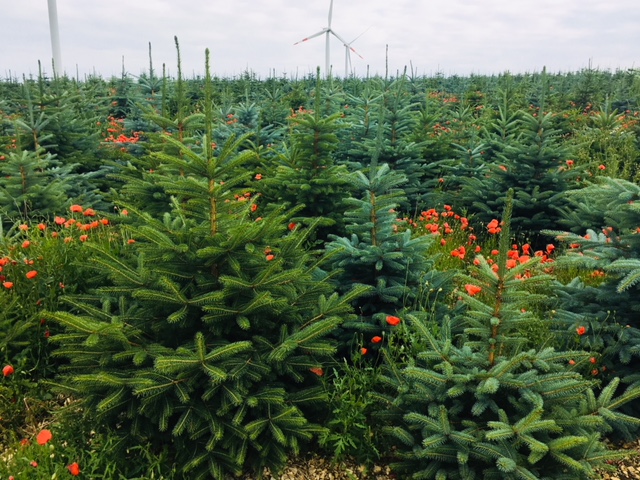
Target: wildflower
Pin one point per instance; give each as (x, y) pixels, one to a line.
(292, 226)
(493, 227)
(317, 370)
(8, 370)
(42, 227)
(363, 351)
(581, 330)
(258, 176)
(7, 285)
(472, 289)
(593, 360)
(393, 321)
(602, 167)
(25, 442)
(32, 274)
(550, 248)
(125, 212)
(24, 227)
(74, 469)
(376, 339)
(572, 362)
(76, 208)
(44, 437)
(34, 464)
(494, 252)
(89, 212)
(84, 238)
(270, 257)
(595, 372)
(254, 207)
(570, 163)
(131, 241)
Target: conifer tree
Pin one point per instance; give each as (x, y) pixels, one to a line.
(209, 326)
(306, 174)
(479, 398)
(375, 253)
(603, 254)
(539, 169)
(33, 185)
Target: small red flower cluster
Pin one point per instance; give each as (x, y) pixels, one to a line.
(44, 437)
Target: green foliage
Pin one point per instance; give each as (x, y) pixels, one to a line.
(33, 185)
(350, 431)
(204, 335)
(473, 401)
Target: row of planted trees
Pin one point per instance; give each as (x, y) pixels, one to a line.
(222, 285)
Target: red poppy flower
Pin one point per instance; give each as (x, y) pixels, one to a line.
(34, 464)
(317, 370)
(472, 289)
(292, 226)
(581, 330)
(393, 321)
(76, 208)
(32, 274)
(593, 360)
(131, 241)
(270, 257)
(7, 285)
(258, 176)
(376, 339)
(59, 220)
(84, 238)
(572, 362)
(44, 437)
(42, 227)
(74, 469)
(8, 370)
(363, 351)
(26, 244)
(89, 212)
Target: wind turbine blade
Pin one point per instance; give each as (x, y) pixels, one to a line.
(347, 45)
(330, 14)
(354, 51)
(344, 42)
(359, 36)
(321, 32)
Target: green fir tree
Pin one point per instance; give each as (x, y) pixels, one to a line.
(207, 326)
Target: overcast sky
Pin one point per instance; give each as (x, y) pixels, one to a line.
(448, 36)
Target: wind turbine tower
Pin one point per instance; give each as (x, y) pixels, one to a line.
(55, 37)
(328, 31)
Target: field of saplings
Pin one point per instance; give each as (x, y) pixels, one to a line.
(213, 277)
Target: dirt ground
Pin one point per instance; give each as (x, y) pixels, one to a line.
(318, 468)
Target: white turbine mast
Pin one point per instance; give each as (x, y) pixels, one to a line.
(55, 37)
(347, 54)
(328, 31)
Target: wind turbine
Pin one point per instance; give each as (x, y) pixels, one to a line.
(328, 31)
